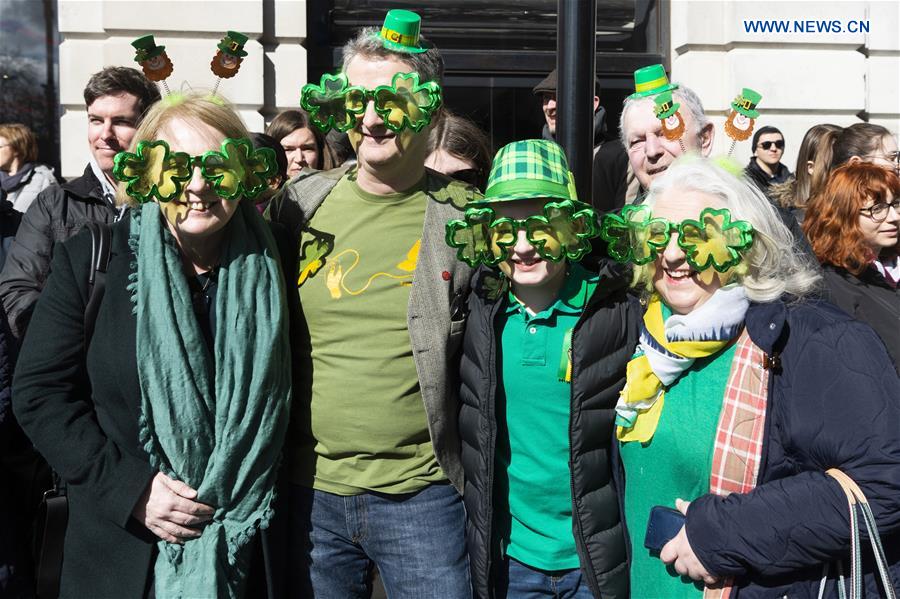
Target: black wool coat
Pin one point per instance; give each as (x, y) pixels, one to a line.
(869, 298)
(56, 214)
(82, 414)
(602, 343)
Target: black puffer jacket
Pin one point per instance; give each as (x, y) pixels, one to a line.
(56, 215)
(602, 343)
(871, 299)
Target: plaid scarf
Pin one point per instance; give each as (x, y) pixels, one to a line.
(737, 451)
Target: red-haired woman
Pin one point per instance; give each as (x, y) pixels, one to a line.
(852, 226)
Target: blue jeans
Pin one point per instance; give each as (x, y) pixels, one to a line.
(416, 540)
(518, 581)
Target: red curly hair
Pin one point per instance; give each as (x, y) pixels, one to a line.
(832, 216)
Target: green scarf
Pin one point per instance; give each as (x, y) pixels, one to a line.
(215, 422)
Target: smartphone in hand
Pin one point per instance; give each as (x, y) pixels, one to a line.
(664, 524)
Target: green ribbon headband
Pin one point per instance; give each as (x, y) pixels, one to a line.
(406, 103)
(155, 172)
(561, 231)
(712, 241)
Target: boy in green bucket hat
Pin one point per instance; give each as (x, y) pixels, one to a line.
(544, 354)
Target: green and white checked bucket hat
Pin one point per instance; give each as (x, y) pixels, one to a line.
(529, 169)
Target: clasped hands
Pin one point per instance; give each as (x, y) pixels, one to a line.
(168, 508)
(679, 554)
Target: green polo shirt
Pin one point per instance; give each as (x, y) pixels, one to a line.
(533, 513)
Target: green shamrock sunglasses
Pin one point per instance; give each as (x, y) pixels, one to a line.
(561, 231)
(155, 172)
(712, 241)
(406, 103)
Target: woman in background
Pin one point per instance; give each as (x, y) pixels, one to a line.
(304, 144)
(852, 226)
(811, 172)
(458, 148)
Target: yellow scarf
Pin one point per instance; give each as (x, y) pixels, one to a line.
(641, 401)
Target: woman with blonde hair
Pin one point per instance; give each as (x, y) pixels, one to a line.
(743, 392)
(167, 421)
(21, 179)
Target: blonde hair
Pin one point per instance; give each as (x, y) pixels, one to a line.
(22, 141)
(197, 106)
(774, 264)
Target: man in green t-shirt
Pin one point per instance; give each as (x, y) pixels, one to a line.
(374, 451)
(544, 355)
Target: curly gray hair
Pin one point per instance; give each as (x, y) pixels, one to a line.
(774, 264)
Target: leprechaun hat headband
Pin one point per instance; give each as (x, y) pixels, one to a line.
(665, 105)
(400, 31)
(529, 169)
(651, 80)
(233, 44)
(145, 48)
(746, 103)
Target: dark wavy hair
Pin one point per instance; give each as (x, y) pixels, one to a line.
(832, 216)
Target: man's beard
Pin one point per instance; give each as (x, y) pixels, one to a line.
(735, 133)
(677, 132)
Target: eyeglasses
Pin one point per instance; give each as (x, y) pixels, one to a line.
(767, 145)
(154, 171)
(406, 103)
(879, 212)
(562, 231)
(712, 241)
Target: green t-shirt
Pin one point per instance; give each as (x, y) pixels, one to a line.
(533, 507)
(675, 463)
(366, 427)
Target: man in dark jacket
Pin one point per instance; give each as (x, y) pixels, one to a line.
(115, 99)
(765, 168)
(544, 357)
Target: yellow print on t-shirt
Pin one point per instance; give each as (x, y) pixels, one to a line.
(337, 278)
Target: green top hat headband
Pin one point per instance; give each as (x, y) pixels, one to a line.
(400, 31)
(146, 48)
(746, 103)
(651, 80)
(233, 44)
(665, 105)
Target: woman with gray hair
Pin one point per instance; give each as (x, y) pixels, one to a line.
(735, 408)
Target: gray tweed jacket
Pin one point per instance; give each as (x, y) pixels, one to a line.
(437, 300)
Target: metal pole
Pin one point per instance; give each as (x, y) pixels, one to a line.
(575, 54)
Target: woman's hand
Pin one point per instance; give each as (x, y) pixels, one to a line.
(678, 552)
(167, 508)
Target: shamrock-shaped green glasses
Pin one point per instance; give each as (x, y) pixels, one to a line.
(712, 241)
(155, 172)
(406, 103)
(561, 231)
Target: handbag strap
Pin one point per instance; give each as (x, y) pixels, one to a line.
(857, 499)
